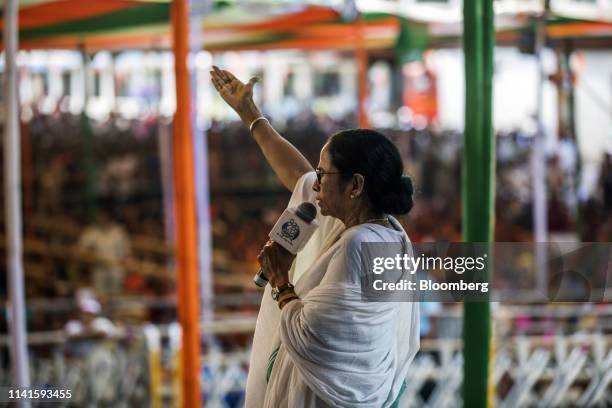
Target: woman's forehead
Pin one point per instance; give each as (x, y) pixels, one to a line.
(324, 155)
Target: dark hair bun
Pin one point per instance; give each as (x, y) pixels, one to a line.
(397, 199)
(367, 152)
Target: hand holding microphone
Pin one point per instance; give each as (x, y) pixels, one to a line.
(291, 232)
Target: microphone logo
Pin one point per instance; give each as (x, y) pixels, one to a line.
(290, 230)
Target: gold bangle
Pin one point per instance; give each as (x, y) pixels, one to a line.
(284, 302)
(254, 122)
(286, 295)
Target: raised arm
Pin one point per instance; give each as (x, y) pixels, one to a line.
(286, 161)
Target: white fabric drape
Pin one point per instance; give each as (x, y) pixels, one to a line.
(333, 348)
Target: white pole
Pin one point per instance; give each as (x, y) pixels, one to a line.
(12, 193)
(199, 8)
(539, 168)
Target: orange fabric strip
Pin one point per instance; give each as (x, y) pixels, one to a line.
(315, 36)
(101, 42)
(145, 41)
(586, 29)
(56, 12)
(311, 15)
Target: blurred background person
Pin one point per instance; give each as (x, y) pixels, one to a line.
(106, 245)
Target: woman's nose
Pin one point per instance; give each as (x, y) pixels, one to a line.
(316, 186)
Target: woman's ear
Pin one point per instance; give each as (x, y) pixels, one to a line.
(358, 185)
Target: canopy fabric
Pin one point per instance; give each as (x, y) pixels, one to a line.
(121, 24)
(513, 30)
(145, 24)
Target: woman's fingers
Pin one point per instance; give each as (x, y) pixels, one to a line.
(225, 81)
(228, 76)
(222, 74)
(275, 262)
(217, 71)
(219, 77)
(264, 262)
(220, 86)
(265, 253)
(215, 74)
(216, 82)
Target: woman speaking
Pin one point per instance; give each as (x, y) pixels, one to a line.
(317, 343)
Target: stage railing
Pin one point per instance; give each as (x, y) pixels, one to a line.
(140, 366)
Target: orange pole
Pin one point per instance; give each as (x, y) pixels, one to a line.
(185, 212)
(361, 54)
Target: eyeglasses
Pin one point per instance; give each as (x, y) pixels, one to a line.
(320, 173)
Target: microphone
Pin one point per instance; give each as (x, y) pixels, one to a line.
(292, 230)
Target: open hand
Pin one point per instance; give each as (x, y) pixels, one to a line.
(237, 94)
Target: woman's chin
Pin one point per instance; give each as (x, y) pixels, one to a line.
(327, 213)
(322, 210)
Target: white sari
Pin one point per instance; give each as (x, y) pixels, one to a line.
(331, 348)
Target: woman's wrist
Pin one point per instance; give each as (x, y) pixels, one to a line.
(249, 113)
(280, 282)
(284, 294)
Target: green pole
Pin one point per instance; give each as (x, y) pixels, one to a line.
(477, 192)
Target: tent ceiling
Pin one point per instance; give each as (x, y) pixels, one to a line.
(123, 24)
(110, 24)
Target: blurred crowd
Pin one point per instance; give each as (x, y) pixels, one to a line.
(94, 200)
